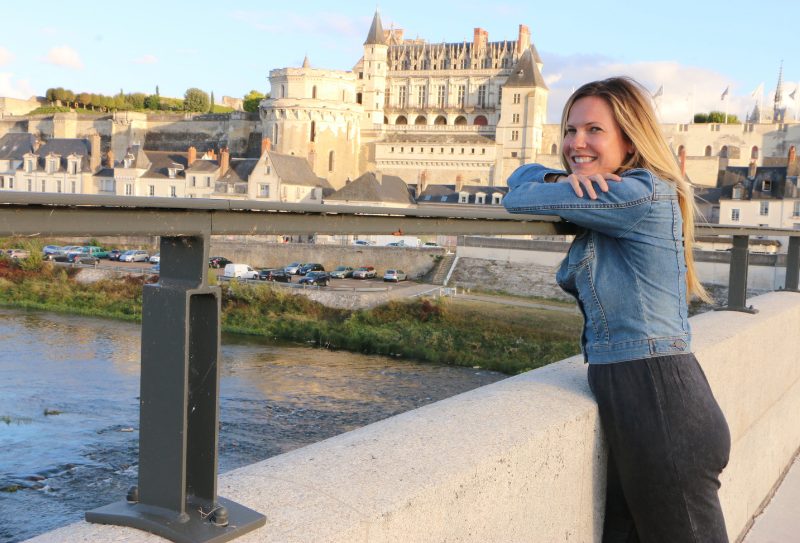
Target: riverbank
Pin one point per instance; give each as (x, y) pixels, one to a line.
(456, 332)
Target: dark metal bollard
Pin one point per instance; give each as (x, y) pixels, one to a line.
(792, 265)
(737, 280)
(179, 409)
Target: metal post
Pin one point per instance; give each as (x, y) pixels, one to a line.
(792, 265)
(179, 409)
(737, 280)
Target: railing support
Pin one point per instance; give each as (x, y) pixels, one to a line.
(792, 265)
(737, 279)
(179, 409)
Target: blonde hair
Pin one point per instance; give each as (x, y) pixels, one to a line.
(630, 104)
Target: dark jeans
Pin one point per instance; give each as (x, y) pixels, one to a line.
(668, 442)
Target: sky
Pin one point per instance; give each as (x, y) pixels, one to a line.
(694, 49)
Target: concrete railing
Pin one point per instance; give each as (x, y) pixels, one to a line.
(519, 460)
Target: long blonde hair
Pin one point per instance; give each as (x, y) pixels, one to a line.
(634, 114)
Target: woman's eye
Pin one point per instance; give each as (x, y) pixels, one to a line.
(595, 129)
(570, 131)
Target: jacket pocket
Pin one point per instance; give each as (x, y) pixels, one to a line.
(594, 316)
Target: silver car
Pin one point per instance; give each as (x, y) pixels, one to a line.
(395, 275)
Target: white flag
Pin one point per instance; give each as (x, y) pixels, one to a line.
(793, 94)
(758, 91)
(725, 92)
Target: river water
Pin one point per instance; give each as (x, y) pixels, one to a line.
(69, 408)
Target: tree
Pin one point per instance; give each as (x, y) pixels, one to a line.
(195, 100)
(251, 101)
(85, 99)
(717, 117)
(136, 100)
(152, 102)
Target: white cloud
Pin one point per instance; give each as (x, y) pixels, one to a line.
(687, 89)
(145, 59)
(64, 56)
(12, 88)
(5, 56)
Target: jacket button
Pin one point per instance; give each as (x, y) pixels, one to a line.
(679, 344)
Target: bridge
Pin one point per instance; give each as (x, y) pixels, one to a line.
(520, 460)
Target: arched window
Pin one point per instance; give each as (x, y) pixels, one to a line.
(314, 91)
(723, 153)
(401, 120)
(554, 149)
(385, 120)
(420, 120)
(754, 152)
(283, 91)
(480, 120)
(708, 150)
(440, 120)
(460, 121)
(331, 161)
(313, 133)
(275, 133)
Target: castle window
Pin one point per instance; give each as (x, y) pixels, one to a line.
(194, 181)
(463, 197)
(283, 91)
(401, 97)
(513, 154)
(208, 181)
(516, 98)
(421, 96)
(480, 198)
(708, 150)
(480, 120)
(152, 190)
(734, 214)
(460, 121)
(440, 120)
(387, 99)
(173, 191)
(796, 209)
(763, 209)
(314, 91)
(30, 185)
(313, 132)
(263, 191)
(420, 120)
(497, 198)
(515, 135)
(754, 152)
(515, 118)
(44, 186)
(401, 120)
(331, 161)
(74, 186)
(481, 95)
(440, 96)
(461, 90)
(554, 149)
(766, 185)
(358, 98)
(58, 186)
(723, 153)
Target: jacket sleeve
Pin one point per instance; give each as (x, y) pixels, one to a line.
(613, 213)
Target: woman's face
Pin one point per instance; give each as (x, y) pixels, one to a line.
(594, 142)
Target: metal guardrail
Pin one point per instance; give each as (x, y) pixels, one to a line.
(176, 496)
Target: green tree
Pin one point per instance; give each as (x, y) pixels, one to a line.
(136, 100)
(717, 117)
(84, 99)
(195, 100)
(251, 101)
(152, 102)
(69, 97)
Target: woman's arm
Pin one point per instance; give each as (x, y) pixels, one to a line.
(613, 212)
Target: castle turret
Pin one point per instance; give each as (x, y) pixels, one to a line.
(373, 76)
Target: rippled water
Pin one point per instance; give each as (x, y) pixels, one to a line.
(69, 408)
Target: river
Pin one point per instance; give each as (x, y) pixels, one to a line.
(69, 408)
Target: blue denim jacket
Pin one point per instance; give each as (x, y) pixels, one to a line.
(626, 268)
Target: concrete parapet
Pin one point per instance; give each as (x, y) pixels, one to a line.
(519, 460)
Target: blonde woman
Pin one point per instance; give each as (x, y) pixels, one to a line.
(631, 270)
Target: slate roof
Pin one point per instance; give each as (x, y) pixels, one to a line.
(239, 170)
(65, 147)
(161, 161)
(781, 186)
(203, 166)
(14, 146)
(295, 170)
(375, 35)
(447, 194)
(525, 73)
(366, 188)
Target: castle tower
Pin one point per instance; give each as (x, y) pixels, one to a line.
(373, 77)
(778, 109)
(522, 115)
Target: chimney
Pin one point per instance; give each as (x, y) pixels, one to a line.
(792, 155)
(792, 168)
(423, 182)
(224, 161)
(480, 38)
(459, 182)
(682, 158)
(524, 40)
(95, 158)
(751, 170)
(192, 155)
(266, 145)
(110, 159)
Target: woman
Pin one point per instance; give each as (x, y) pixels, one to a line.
(631, 270)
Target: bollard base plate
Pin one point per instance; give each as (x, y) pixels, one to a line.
(193, 526)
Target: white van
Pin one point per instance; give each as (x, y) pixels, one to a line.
(239, 271)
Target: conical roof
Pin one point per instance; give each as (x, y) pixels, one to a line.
(375, 36)
(306, 62)
(525, 73)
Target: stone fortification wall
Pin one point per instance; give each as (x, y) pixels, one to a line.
(523, 459)
(415, 262)
(178, 135)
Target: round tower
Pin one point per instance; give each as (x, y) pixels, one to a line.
(373, 74)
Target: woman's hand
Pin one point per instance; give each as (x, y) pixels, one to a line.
(586, 182)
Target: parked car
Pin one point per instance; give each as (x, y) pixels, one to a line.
(49, 250)
(17, 253)
(86, 259)
(134, 256)
(239, 271)
(293, 268)
(396, 244)
(275, 275)
(155, 268)
(218, 262)
(364, 272)
(363, 242)
(113, 254)
(90, 250)
(155, 259)
(342, 272)
(429, 244)
(395, 275)
(318, 278)
(311, 266)
(60, 255)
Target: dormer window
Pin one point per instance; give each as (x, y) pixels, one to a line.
(29, 165)
(52, 164)
(766, 185)
(127, 162)
(738, 190)
(171, 173)
(463, 197)
(497, 198)
(480, 198)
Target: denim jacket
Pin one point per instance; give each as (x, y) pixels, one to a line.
(626, 267)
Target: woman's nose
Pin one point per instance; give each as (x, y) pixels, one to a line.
(578, 140)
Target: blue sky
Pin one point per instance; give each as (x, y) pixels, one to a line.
(694, 49)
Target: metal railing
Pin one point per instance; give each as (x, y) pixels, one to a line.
(176, 496)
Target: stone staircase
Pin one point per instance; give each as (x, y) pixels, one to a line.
(440, 271)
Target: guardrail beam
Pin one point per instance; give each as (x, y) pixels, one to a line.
(737, 279)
